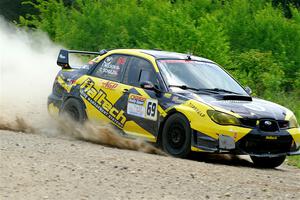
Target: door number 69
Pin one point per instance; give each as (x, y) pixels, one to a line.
(151, 109)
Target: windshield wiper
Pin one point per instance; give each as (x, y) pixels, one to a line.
(217, 90)
(211, 90)
(184, 87)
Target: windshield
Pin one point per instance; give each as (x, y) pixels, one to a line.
(198, 75)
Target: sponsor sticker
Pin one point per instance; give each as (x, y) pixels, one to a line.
(108, 68)
(99, 99)
(121, 61)
(109, 85)
(142, 107)
(271, 137)
(62, 56)
(196, 109)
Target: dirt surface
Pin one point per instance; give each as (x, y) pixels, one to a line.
(39, 167)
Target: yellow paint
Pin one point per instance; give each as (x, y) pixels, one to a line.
(167, 95)
(53, 110)
(288, 115)
(134, 129)
(64, 84)
(161, 111)
(196, 149)
(295, 133)
(205, 125)
(113, 95)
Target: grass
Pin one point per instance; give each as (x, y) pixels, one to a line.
(294, 161)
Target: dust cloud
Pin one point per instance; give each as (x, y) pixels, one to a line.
(28, 68)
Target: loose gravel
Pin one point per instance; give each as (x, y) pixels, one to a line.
(39, 167)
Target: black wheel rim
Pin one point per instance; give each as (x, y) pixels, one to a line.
(176, 136)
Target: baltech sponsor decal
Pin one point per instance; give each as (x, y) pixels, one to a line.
(98, 99)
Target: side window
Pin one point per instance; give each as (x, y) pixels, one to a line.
(139, 70)
(111, 68)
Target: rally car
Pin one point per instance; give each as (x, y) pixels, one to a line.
(182, 102)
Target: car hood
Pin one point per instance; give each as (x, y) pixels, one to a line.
(254, 108)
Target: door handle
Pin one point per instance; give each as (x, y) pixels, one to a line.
(125, 91)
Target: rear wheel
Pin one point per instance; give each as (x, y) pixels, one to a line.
(74, 109)
(268, 162)
(176, 136)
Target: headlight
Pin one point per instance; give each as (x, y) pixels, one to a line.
(223, 118)
(293, 122)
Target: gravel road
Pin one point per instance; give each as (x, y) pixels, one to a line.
(40, 167)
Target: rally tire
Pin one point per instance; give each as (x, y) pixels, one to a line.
(74, 109)
(176, 136)
(268, 162)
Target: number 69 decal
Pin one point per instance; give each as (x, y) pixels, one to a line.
(151, 109)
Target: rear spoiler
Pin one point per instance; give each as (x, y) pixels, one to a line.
(63, 56)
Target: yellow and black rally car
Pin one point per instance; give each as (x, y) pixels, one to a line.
(183, 102)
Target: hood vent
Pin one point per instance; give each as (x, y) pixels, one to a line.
(235, 97)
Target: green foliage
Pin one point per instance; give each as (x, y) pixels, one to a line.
(252, 39)
(12, 9)
(258, 25)
(260, 71)
(288, 99)
(294, 160)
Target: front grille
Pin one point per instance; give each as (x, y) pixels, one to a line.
(268, 125)
(261, 124)
(258, 144)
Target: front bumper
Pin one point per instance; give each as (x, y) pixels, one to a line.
(295, 153)
(255, 143)
(267, 143)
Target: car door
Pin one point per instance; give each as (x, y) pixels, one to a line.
(141, 105)
(102, 90)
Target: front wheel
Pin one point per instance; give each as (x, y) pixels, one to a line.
(176, 136)
(268, 162)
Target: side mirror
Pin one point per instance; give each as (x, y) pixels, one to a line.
(149, 86)
(248, 90)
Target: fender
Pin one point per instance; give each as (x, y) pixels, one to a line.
(196, 113)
